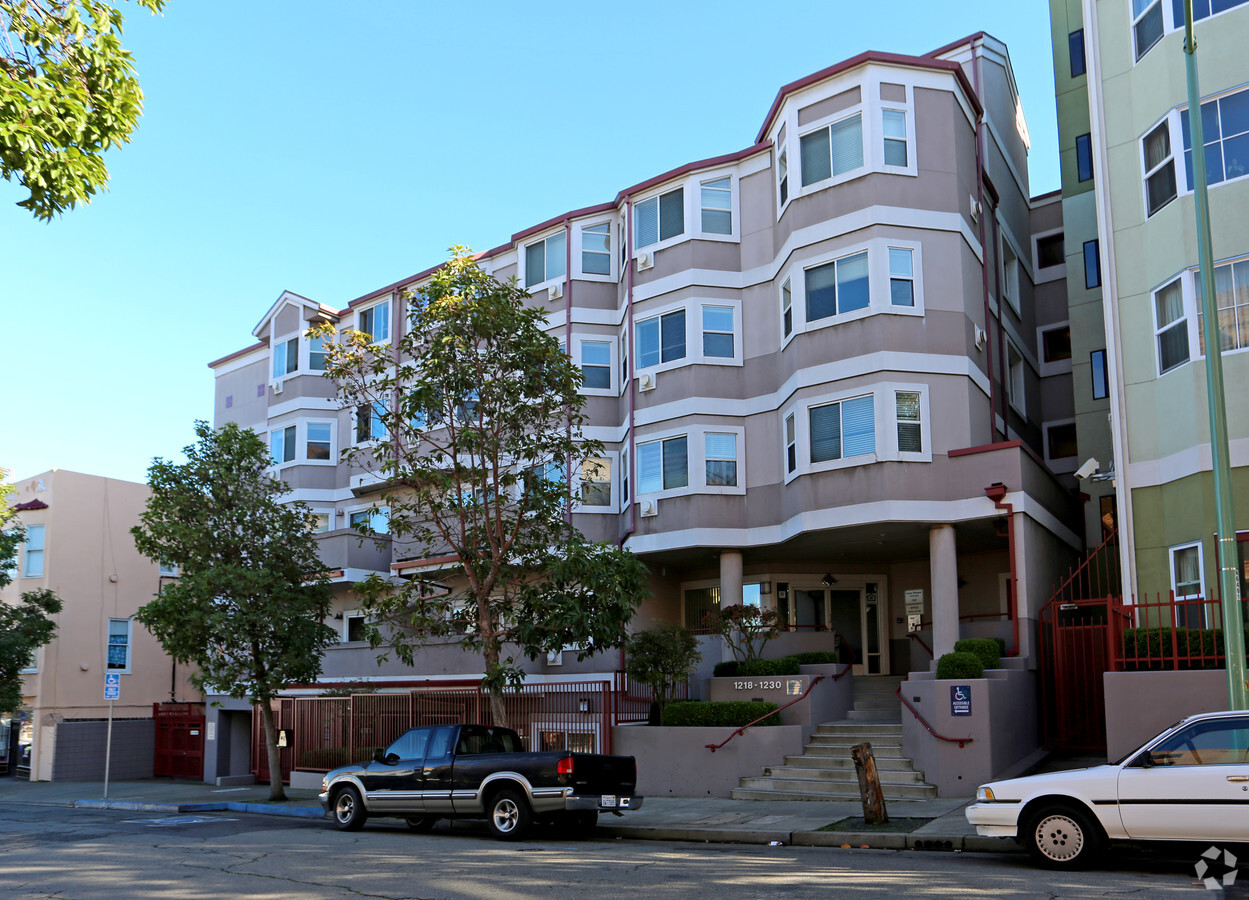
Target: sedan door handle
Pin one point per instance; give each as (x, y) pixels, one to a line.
(1238, 777)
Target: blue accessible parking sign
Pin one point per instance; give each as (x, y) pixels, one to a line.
(960, 699)
(112, 686)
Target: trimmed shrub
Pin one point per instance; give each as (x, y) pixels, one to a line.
(816, 658)
(960, 665)
(1151, 648)
(725, 669)
(1001, 647)
(786, 665)
(332, 757)
(985, 649)
(735, 713)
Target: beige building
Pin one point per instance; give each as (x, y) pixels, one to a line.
(78, 544)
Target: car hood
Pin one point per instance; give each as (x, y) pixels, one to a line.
(352, 769)
(1073, 781)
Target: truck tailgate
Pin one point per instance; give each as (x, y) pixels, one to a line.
(594, 773)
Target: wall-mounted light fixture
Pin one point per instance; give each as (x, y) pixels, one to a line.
(828, 580)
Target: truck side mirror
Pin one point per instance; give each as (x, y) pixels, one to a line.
(378, 756)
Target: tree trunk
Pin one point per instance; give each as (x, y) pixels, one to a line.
(271, 743)
(498, 712)
(873, 797)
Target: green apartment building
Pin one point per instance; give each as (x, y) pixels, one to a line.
(1131, 256)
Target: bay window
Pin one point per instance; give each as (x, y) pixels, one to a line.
(544, 259)
(659, 218)
(663, 465)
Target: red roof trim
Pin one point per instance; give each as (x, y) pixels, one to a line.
(575, 214)
(30, 505)
(237, 353)
(970, 39)
(758, 147)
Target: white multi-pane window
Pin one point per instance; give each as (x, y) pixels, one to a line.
(659, 218)
(1171, 326)
(596, 365)
(282, 445)
(908, 413)
(375, 521)
(901, 277)
(663, 465)
(285, 357)
(320, 444)
(1015, 385)
(717, 206)
(1010, 274)
(369, 423)
(1188, 583)
(320, 522)
(791, 444)
(1160, 187)
(596, 482)
(32, 552)
(1225, 131)
(317, 355)
(118, 647)
(787, 308)
(718, 331)
(782, 176)
(1231, 302)
(832, 150)
(837, 287)
(375, 322)
(720, 455)
(544, 259)
(893, 128)
(660, 339)
(1147, 25)
(843, 429)
(596, 249)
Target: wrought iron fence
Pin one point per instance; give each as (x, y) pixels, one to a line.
(1171, 633)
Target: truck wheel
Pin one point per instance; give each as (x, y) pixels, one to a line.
(349, 812)
(421, 824)
(1059, 836)
(509, 816)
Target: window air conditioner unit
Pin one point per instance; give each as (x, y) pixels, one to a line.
(277, 387)
(556, 291)
(555, 658)
(646, 260)
(648, 507)
(646, 381)
(975, 208)
(980, 337)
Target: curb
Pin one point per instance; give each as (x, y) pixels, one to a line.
(852, 840)
(264, 809)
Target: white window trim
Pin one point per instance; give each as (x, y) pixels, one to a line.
(613, 506)
(125, 670)
(1058, 367)
(522, 260)
(889, 390)
(1056, 272)
(42, 551)
(1021, 406)
(1006, 239)
(696, 461)
(879, 299)
(301, 449)
(686, 233)
(876, 135)
(734, 236)
(693, 308)
(1058, 464)
(1168, 25)
(865, 111)
(1201, 567)
(371, 442)
(1189, 299)
(301, 356)
(613, 255)
(165, 570)
(376, 302)
(383, 511)
(613, 390)
(1175, 134)
(692, 203)
(275, 464)
(881, 423)
(324, 511)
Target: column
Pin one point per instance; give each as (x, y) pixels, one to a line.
(943, 570)
(730, 578)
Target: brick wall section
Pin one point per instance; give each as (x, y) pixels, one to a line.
(80, 749)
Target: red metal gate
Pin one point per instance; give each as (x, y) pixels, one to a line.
(1076, 652)
(179, 740)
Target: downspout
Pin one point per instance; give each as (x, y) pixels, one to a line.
(568, 347)
(1001, 336)
(632, 362)
(984, 250)
(996, 492)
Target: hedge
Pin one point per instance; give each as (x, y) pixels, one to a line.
(960, 665)
(693, 713)
(333, 757)
(817, 658)
(985, 649)
(786, 665)
(1151, 648)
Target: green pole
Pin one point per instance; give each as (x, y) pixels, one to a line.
(1229, 576)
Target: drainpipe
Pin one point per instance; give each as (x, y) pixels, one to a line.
(568, 347)
(1001, 336)
(984, 250)
(996, 492)
(632, 361)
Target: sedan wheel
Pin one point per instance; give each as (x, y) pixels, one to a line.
(1060, 837)
(509, 816)
(349, 812)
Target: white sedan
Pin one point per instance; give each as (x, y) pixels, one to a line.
(1190, 783)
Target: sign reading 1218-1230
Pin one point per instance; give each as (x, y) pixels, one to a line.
(112, 686)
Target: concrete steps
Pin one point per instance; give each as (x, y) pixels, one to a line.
(825, 770)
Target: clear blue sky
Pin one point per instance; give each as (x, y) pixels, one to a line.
(330, 148)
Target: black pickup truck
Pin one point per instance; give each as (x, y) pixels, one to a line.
(473, 772)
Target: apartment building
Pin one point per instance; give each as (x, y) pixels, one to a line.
(831, 371)
(78, 544)
(1138, 348)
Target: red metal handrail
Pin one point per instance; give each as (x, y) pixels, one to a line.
(818, 678)
(924, 722)
(914, 635)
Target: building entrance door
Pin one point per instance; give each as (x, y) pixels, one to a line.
(854, 614)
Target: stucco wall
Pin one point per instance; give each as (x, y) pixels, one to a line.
(1141, 704)
(675, 762)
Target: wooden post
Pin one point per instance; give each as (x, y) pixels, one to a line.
(874, 812)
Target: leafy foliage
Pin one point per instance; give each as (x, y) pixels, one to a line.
(746, 629)
(68, 92)
(662, 656)
(692, 713)
(1164, 647)
(483, 421)
(986, 650)
(249, 604)
(24, 626)
(960, 665)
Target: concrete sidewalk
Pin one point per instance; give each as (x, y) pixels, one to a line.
(939, 824)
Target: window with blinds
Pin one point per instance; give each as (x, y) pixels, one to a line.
(832, 150)
(596, 249)
(837, 287)
(843, 429)
(663, 465)
(720, 452)
(910, 438)
(544, 259)
(660, 218)
(661, 339)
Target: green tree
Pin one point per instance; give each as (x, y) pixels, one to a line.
(68, 92)
(482, 417)
(746, 629)
(662, 656)
(24, 626)
(251, 598)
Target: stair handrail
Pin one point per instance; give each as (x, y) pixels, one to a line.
(924, 722)
(914, 635)
(742, 730)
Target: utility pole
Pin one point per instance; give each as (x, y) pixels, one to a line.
(1229, 575)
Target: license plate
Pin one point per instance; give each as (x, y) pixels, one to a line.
(608, 800)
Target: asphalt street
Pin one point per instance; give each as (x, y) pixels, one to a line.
(84, 854)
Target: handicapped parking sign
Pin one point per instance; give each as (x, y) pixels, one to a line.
(960, 699)
(112, 686)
